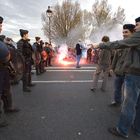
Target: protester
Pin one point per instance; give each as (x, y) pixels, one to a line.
(131, 105)
(89, 55)
(103, 66)
(120, 54)
(49, 51)
(78, 49)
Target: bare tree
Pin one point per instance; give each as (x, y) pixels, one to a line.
(102, 13)
(66, 17)
(103, 18)
(69, 22)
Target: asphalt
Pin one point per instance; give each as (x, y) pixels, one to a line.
(62, 107)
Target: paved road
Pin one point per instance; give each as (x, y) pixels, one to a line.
(61, 107)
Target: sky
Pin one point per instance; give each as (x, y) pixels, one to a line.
(26, 14)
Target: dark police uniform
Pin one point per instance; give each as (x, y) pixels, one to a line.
(5, 86)
(25, 48)
(38, 57)
(4, 79)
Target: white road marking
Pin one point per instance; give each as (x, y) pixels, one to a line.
(73, 69)
(69, 70)
(66, 81)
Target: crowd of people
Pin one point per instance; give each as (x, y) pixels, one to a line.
(119, 57)
(125, 64)
(122, 59)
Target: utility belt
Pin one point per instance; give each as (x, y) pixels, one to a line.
(10, 67)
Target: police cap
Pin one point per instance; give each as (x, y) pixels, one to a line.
(37, 38)
(23, 32)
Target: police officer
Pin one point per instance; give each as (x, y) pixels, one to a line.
(6, 95)
(26, 50)
(38, 50)
(4, 57)
(3, 54)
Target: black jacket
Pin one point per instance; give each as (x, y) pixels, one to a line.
(25, 49)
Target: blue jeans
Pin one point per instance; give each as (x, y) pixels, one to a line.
(131, 105)
(136, 124)
(78, 57)
(118, 83)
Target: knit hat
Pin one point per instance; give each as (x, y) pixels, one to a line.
(130, 27)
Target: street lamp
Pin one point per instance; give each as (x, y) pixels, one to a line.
(49, 14)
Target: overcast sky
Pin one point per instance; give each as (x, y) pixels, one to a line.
(26, 14)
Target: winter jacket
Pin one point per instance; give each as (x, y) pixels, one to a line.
(104, 57)
(118, 61)
(25, 49)
(131, 64)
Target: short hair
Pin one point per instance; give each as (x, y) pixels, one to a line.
(46, 43)
(130, 27)
(2, 37)
(105, 39)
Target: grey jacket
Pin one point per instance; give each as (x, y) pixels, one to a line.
(104, 57)
(118, 61)
(131, 62)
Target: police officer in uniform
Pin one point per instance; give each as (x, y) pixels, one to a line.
(3, 53)
(4, 58)
(38, 50)
(26, 50)
(5, 93)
